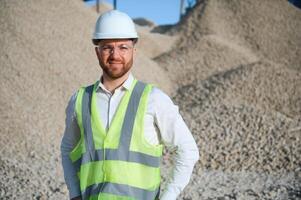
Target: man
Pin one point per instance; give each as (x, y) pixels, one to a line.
(116, 128)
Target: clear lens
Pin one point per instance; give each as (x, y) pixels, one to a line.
(121, 49)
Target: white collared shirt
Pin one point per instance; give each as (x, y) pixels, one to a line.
(163, 124)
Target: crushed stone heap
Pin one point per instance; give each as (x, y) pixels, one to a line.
(233, 67)
(46, 54)
(237, 65)
(218, 35)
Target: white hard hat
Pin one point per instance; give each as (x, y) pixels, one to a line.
(114, 25)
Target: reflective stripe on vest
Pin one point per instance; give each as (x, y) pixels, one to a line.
(132, 184)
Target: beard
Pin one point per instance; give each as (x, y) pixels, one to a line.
(116, 72)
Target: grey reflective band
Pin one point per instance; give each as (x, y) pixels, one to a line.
(119, 189)
(116, 154)
(130, 115)
(86, 120)
(86, 158)
(122, 153)
(132, 156)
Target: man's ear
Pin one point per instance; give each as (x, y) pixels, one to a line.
(97, 52)
(135, 50)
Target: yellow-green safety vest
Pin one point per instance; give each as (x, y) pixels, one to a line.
(117, 164)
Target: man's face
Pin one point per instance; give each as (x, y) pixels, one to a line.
(115, 57)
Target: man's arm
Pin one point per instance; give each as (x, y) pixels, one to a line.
(70, 139)
(77, 198)
(175, 134)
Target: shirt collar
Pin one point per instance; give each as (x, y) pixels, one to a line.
(128, 82)
(126, 85)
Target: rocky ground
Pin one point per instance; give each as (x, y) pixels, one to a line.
(244, 185)
(247, 151)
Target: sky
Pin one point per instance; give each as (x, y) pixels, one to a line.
(161, 12)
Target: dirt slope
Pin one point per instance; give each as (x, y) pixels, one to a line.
(46, 54)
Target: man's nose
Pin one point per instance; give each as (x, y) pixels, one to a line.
(115, 53)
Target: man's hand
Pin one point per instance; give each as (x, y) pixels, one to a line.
(77, 198)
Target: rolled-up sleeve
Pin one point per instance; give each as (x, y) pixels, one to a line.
(175, 134)
(69, 141)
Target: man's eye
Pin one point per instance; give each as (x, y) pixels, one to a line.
(124, 47)
(105, 48)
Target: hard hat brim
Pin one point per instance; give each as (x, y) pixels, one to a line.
(96, 41)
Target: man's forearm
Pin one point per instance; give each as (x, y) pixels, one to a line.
(77, 198)
(69, 141)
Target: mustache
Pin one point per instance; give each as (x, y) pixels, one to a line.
(115, 60)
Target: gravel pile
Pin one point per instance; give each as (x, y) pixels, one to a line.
(234, 127)
(46, 54)
(218, 35)
(249, 144)
(243, 185)
(237, 68)
(232, 66)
